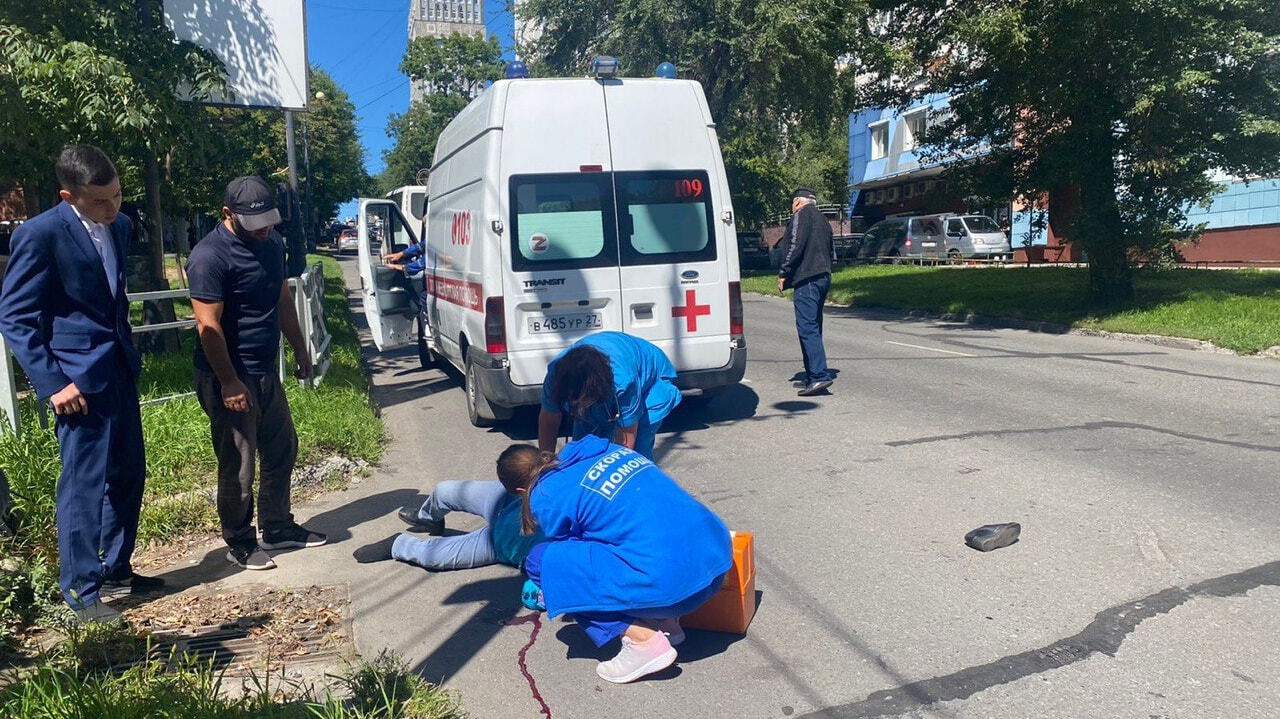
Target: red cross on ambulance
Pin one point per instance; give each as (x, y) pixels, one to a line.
(691, 310)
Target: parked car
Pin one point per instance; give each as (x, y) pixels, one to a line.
(903, 238)
(348, 241)
(752, 253)
(975, 236)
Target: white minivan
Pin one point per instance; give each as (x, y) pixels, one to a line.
(557, 208)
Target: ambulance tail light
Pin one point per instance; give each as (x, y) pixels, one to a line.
(495, 327)
(735, 309)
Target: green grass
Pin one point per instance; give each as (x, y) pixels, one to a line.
(336, 418)
(183, 687)
(1236, 309)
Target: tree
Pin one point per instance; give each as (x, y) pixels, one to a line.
(1120, 110)
(452, 70)
(230, 142)
(769, 70)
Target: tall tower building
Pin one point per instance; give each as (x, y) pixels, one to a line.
(438, 18)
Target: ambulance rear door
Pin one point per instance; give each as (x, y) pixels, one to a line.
(671, 195)
(560, 257)
(389, 306)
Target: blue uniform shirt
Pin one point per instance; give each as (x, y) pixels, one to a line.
(621, 534)
(643, 378)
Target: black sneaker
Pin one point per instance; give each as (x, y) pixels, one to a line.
(132, 584)
(98, 613)
(409, 515)
(814, 388)
(295, 536)
(249, 556)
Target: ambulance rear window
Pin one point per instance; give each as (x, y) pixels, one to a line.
(665, 217)
(561, 221)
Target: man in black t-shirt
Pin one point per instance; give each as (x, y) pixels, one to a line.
(242, 303)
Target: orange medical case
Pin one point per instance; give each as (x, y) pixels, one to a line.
(734, 605)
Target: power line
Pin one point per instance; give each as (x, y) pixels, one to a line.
(400, 86)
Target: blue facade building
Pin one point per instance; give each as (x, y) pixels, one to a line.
(889, 177)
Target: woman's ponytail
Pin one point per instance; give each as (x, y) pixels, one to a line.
(520, 466)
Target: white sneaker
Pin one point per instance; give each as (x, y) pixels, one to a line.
(671, 628)
(638, 659)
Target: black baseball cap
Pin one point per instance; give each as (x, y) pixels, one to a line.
(253, 202)
(804, 192)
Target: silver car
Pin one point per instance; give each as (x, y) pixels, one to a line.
(976, 236)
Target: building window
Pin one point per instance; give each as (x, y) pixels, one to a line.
(879, 140)
(914, 123)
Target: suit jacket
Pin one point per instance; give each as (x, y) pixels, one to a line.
(57, 310)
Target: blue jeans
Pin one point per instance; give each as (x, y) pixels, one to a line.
(483, 498)
(604, 627)
(809, 298)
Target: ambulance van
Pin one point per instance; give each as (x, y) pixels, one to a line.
(557, 208)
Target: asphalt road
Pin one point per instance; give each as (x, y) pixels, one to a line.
(1146, 583)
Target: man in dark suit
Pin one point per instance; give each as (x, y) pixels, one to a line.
(64, 312)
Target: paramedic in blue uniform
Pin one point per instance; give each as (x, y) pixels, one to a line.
(628, 552)
(806, 268)
(64, 312)
(612, 385)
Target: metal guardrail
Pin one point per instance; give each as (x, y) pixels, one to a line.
(308, 296)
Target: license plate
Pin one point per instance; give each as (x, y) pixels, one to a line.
(565, 323)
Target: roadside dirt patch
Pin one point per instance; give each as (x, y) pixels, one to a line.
(304, 632)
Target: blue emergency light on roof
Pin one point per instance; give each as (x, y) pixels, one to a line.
(516, 70)
(604, 66)
(666, 70)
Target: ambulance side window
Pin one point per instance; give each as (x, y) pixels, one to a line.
(561, 221)
(666, 217)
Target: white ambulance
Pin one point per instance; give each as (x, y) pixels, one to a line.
(557, 208)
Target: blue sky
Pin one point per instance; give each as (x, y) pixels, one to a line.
(360, 43)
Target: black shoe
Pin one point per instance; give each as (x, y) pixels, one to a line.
(379, 551)
(993, 536)
(98, 613)
(409, 515)
(800, 384)
(295, 536)
(132, 584)
(814, 388)
(249, 556)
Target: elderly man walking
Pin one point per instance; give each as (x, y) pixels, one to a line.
(806, 268)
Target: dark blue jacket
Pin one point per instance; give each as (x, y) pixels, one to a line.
(56, 307)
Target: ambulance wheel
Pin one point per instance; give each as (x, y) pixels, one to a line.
(479, 410)
(426, 357)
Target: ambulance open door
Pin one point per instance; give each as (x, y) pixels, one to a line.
(390, 297)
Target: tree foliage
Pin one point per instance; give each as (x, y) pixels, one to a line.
(1125, 110)
(93, 72)
(452, 70)
(769, 70)
(230, 142)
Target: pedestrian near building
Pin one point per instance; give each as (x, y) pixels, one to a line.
(242, 304)
(64, 312)
(806, 269)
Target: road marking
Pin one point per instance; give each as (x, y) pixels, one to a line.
(929, 349)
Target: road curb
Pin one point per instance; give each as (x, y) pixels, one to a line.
(1013, 323)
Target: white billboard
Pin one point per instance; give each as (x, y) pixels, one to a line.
(262, 42)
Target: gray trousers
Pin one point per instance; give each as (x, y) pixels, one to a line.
(240, 439)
